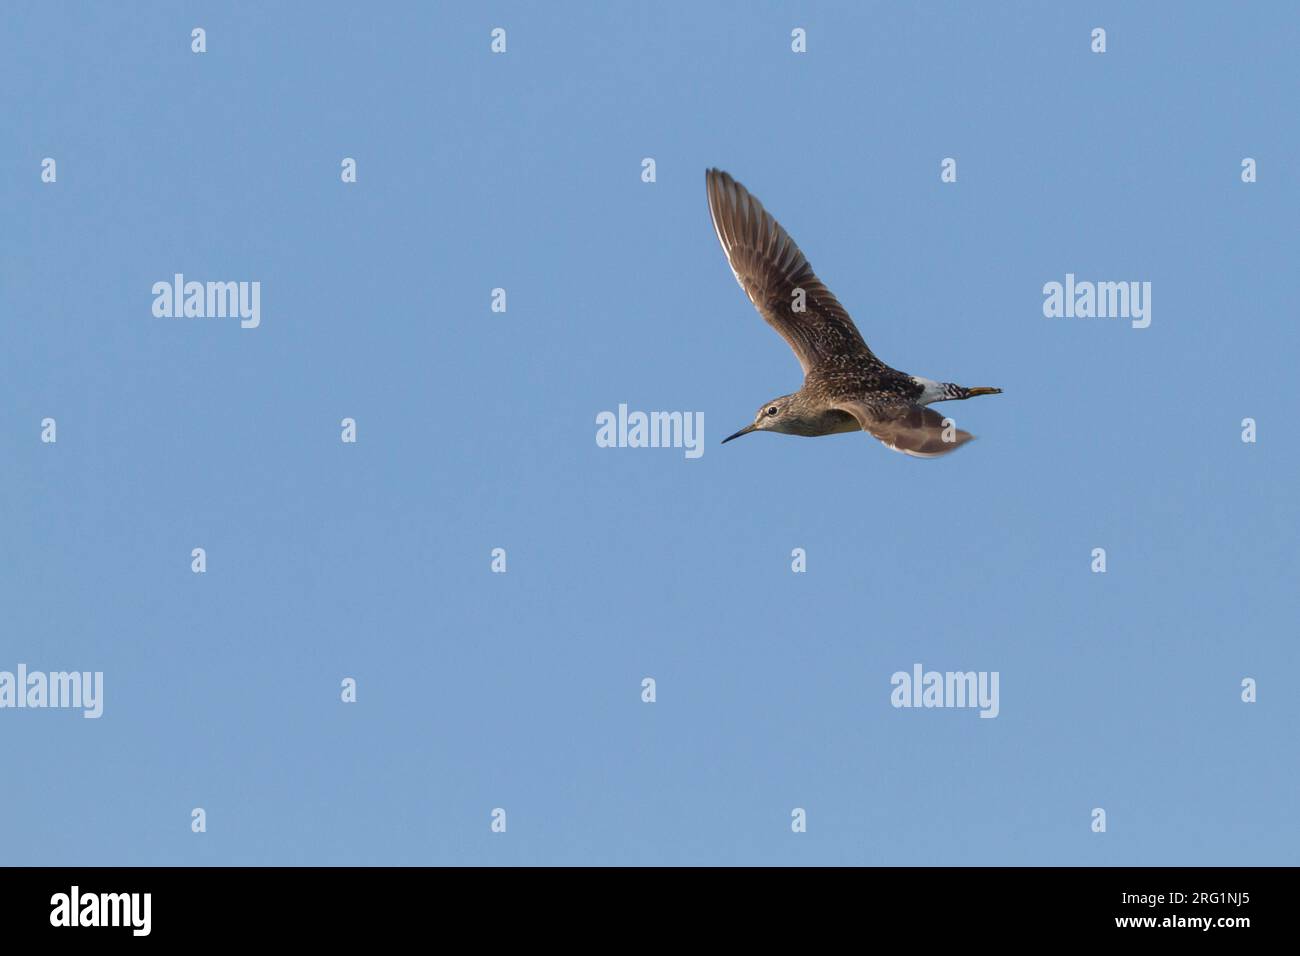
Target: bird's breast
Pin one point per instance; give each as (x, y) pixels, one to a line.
(834, 421)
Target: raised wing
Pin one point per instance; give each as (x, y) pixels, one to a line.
(771, 269)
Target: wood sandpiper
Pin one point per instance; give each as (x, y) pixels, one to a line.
(845, 387)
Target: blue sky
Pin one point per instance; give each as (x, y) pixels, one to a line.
(476, 430)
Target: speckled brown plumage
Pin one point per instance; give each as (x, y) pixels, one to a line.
(846, 388)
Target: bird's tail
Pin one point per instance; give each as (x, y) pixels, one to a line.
(961, 391)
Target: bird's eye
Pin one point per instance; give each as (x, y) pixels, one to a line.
(772, 410)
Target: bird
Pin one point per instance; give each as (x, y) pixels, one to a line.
(845, 387)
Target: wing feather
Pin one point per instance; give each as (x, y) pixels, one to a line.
(908, 427)
(770, 268)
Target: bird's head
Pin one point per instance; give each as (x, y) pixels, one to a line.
(779, 415)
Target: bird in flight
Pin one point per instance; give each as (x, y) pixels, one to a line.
(845, 387)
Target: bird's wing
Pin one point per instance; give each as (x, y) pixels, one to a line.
(771, 269)
(907, 427)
